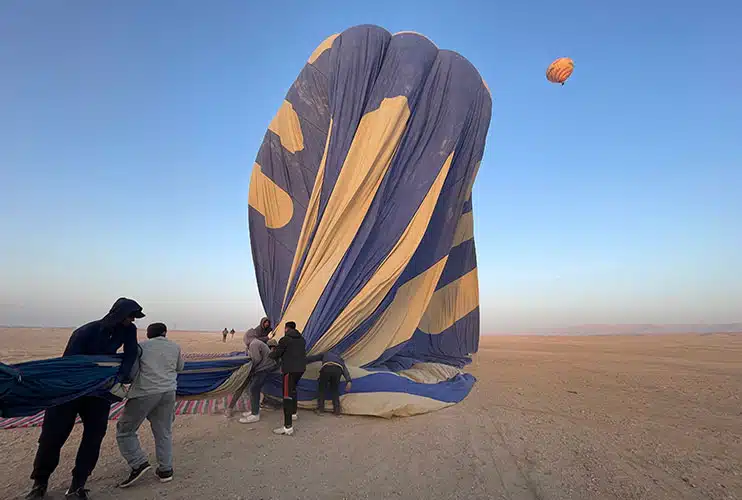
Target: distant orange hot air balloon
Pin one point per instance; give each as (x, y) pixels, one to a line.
(560, 70)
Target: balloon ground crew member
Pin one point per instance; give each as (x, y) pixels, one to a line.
(291, 353)
(151, 397)
(262, 366)
(260, 332)
(333, 367)
(104, 336)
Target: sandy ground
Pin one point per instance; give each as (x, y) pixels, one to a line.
(550, 418)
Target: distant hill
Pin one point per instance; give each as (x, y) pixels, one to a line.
(638, 329)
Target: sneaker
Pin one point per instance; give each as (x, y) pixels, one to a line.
(135, 475)
(285, 431)
(246, 414)
(38, 491)
(78, 493)
(165, 476)
(250, 419)
(294, 417)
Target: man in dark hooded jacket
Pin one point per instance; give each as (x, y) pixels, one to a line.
(292, 355)
(104, 336)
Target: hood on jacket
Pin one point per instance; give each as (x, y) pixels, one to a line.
(260, 326)
(121, 309)
(254, 333)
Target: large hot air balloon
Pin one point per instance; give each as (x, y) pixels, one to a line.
(560, 70)
(361, 217)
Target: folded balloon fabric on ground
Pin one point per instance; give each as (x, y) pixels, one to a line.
(27, 388)
(31, 387)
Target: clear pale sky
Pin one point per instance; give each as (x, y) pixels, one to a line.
(128, 132)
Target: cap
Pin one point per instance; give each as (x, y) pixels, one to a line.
(138, 314)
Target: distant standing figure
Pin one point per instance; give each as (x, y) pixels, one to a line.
(333, 367)
(292, 355)
(151, 397)
(231, 332)
(225, 332)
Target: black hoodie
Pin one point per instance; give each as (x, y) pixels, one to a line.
(291, 352)
(106, 335)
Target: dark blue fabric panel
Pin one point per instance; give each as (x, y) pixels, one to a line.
(355, 60)
(449, 391)
(33, 386)
(272, 260)
(451, 347)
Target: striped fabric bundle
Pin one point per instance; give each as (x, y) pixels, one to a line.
(191, 406)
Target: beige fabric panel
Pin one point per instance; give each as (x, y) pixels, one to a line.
(464, 229)
(451, 303)
(387, 404)
(287, 127)
(269, 199)
(430, 373)
(399, 321)
(325, 45)
(371, 295)
(369, 157)
(310, 218)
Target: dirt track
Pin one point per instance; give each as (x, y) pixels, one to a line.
(550, 418)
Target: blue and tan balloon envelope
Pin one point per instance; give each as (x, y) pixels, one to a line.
(361, 221)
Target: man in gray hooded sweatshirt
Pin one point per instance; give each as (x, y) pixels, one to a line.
(259, 333)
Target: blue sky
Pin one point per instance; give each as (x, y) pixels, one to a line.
(129, 130)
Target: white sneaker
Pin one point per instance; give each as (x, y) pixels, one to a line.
(286, 431)
(250, 419)
(246, 414)
(294, 417)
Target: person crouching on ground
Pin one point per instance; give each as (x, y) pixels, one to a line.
(291, 352)
(103, 336)
(152, 397)
(262, 365)
(333, 367)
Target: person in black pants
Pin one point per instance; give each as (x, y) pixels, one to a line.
(104, 336)
(292, 355)
(333, 367)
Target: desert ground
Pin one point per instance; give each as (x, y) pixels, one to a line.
(598, 418)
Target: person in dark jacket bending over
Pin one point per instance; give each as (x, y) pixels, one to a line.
(333, 367)
(291, 353)
(104, 336)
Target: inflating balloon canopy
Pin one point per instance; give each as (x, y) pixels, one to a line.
(361, 219)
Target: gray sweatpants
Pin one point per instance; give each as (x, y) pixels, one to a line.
(159, 409)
